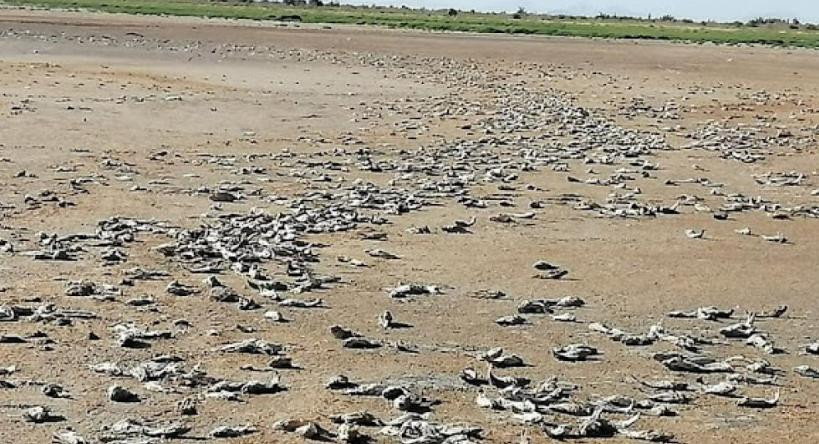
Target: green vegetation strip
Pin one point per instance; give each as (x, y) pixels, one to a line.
(464, 22)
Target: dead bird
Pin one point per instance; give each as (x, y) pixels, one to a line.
(760, 366)
(187, 407)
(420, 230)
(361, 343)
(665, 384)
(68, 437)
(340, 382)
(534, 307)
(282, 362)
(351, 261)
(41, 414)
(761, 341)
(312, 431)
(373, 389)
(459, 226)
(709, 313)
(275, 316)
(302, 303)
(694, 234)
(499, 359)
(503, 382)
(487, 294)
(759, 403)
(574, 352)
(512, 320)
(223, 196)
(549, 270)
(777, 312)
(512, 217)
(252, 346)
(740, 330)
(619, 404)
(564, 317)
(227, 431)
(411, 402)
(385, 320)
(470, 376)
(778, 238)
(342, 333)
(272, 386)
(543, 306)
(360, 418)
(55, 391)
(130, 336)
(416, 428)
(693, 364)
(374, 236)
(406, 290)
(179, 289)
(670, 397)
(382, 254)
(348, 433)
(723, 388)
(466, 223)
(552, 274)
(136, 428)
(806, 371)
(544, 266)
(751, 379)
(614, 334)
(118, 393)
(486, 402)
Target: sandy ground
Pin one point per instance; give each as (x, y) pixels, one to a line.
(96, 97)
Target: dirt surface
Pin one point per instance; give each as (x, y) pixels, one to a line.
(568, 151)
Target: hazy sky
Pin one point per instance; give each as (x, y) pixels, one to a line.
(722, 10)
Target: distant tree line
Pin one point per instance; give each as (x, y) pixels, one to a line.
(521, 13)
(316, 3)
(759, 21)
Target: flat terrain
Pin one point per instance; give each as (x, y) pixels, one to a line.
(167, 184)
(761, 31)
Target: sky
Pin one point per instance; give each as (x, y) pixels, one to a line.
(719, 10)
